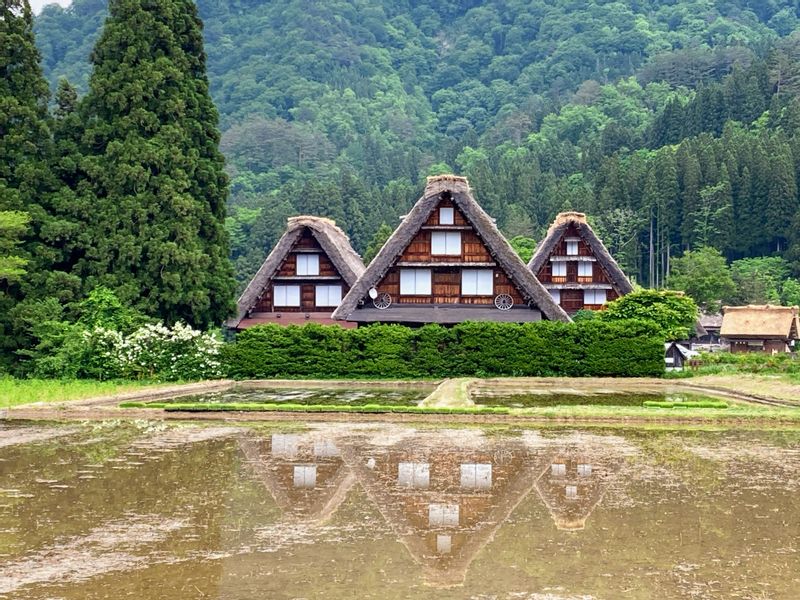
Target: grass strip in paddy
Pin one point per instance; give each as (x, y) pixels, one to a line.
(315, 408)
(686, 404)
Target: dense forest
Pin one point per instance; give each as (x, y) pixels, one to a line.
(674, 124)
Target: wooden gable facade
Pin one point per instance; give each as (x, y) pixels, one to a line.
(447, 263)
(303, 279)
(575, 266)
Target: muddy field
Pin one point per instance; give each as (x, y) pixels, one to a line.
(158, 509)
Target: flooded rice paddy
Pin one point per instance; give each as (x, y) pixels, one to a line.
(401, 396)
(152, 510)
(485, 397)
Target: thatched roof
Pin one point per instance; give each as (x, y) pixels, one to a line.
(556, 231)
(760, 321)
(484, 226)
(331, 238)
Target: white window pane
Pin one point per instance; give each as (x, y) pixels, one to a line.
(594, 296)
(308, 264)
(444, 544)
(287, 295)
(477, 282)
(559, 269)
(407, 281)
(485, 282)
(585, 269)
(572, 248)
(584, 470)
(556, 295)
(423, 282)
(438, 242)
(305, 476)
(329, 295)
(571, 491)
(284, 445)
(453, 243)
(558, 469)
(446, 216)
(469, 282)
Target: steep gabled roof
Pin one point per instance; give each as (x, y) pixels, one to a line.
(333, 241)
(762, 321)
(484, 226)
(562, 222)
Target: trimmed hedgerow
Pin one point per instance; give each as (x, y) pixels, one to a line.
(587, 348)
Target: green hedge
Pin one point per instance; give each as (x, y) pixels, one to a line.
(587, 348)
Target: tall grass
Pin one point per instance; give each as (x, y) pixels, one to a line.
(14, 392)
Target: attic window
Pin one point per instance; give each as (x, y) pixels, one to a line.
(447, 216)
(558, 469)
(572, 248)
(447, 243)
(571, 491)
(308, 264)
(584, 470)
(559, 269)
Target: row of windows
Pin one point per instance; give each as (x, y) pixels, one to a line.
(584, 269)
(589, 296)
(474, 282)
(289, 295)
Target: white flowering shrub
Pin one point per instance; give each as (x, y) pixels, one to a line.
(155, 351)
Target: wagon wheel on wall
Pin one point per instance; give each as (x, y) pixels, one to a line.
(382, 301)
(503, 302)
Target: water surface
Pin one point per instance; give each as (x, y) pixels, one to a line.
(612, 398)
(403, 396)
(154, 510)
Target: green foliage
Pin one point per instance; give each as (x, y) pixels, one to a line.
(591, 348)
(685, 404)
(377, 242)
(12, 225)
(673, 314)
(704, 275)
(524, 246)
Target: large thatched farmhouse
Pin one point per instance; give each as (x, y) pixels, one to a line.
(446, 263)
(303, 279)
(575, 266)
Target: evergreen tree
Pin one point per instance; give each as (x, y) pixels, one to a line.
(782, 202)
(355, 195)
(155, 234)
(377, 242)
(25, 176)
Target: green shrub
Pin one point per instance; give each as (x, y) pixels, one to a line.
(625, 348)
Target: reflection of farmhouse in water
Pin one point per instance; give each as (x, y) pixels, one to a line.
(445, 501)
(304, 474)
(572, 485)
(444, 493)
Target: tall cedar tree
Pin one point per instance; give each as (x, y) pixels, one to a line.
(25, 143)
(156, 235)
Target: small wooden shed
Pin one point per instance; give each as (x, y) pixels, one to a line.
(761, 328)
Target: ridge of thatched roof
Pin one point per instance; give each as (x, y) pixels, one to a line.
(556, 231)
(762, 321)
(484, 226)
(331, 238)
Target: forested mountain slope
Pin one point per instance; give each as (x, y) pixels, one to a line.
(616, 108)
